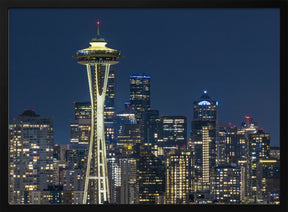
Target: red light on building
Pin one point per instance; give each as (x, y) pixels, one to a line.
(247, 117)
(98, 22)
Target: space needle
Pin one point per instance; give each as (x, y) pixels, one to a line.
(97, 58)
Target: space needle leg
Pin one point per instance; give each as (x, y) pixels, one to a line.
(91, 137)
(101, 144)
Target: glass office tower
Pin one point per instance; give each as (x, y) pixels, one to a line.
(173, 132)
(140, 94)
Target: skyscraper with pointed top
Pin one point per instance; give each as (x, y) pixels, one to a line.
(97, 58)
(203, 141)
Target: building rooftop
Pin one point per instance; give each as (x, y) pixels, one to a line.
(30, 113)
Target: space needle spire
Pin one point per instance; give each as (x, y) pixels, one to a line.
(98, 31)
(97, 58)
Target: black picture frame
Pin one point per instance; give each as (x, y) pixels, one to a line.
(4, 48)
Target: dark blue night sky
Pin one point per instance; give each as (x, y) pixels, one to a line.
(232, 53)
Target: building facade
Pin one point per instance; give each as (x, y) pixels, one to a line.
(140, 94)
(226, 184)
(203, 140)
(173, 131)
(178, 177)
(30, 155)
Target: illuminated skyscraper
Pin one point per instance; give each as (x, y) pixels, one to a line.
(173, 131)
(81, 126)
(203, 140)
(114, 174)
(30, 155)
(258, 149)
(268, 177)
(97, 58)
(226, 184)
(129, 193)
(109, 107)
(178, 177)
(226, 144)
(140, 94)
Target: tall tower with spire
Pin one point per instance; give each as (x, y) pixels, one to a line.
(203, 133)
(97, 58)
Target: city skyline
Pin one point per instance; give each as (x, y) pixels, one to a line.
(195, 58)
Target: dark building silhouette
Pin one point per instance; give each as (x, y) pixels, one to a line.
(150, 175)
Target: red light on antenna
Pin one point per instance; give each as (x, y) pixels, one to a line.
(247, 117)
(98, 22)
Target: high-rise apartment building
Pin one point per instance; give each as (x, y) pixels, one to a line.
(258, 148)
(254, 159)
(129, 191)
(123, 179)
(268, 180)
(30, 155)
(226, 184)
(178, 177)
(227, 147)
(114, 175)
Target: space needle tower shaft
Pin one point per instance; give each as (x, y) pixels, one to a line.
(97, 58)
